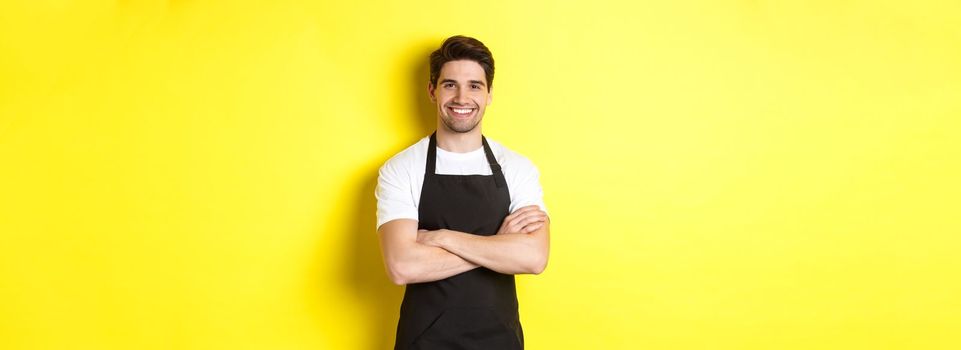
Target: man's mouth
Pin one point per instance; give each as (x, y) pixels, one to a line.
(461, 112)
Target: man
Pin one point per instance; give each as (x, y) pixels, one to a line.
(459, 215)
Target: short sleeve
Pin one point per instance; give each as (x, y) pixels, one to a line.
(394, 198)
(526, 187)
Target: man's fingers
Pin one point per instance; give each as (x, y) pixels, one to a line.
(524, 210)
(519, 226)
(531, 210)
(528, 214)
(529, 219)
(516, 221)
(518, 212)
(533, 227)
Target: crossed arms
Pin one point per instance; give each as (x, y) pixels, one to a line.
(520, 246)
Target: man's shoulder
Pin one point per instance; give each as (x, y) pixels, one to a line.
(509, 158)
(405, 160)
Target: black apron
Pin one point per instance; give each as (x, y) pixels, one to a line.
(476, 309)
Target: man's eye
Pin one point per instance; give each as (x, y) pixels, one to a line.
(448, 85)
(475, 86)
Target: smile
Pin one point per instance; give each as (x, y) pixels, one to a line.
(461, 112)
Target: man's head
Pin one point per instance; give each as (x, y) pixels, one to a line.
(461, 77)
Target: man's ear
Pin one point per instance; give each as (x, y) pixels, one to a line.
(430, 92)
(490, 96)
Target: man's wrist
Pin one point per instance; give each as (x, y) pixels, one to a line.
(443, 237)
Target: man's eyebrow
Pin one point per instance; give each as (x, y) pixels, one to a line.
(470, 81)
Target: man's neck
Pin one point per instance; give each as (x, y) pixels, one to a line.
(458, 142)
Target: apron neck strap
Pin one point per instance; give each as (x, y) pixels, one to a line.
(431, 155)
(495, 167)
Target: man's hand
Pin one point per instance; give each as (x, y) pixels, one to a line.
(430, 238)
(524, 220)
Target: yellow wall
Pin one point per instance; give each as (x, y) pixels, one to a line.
(721, 175)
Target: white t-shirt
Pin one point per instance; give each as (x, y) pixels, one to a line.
(402, 176)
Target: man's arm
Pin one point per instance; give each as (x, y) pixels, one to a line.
(408, 261)
(520, 247)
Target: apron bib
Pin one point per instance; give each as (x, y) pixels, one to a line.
(476, 309)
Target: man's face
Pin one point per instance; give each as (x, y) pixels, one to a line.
(460, 95)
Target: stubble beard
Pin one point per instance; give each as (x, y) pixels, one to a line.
(463, 127)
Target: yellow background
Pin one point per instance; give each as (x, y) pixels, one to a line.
(720, 174)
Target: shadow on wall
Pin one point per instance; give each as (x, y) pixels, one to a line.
(365, 273)
(424, 112)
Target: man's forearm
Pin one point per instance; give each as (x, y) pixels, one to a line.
(425, 263)
(506, 253)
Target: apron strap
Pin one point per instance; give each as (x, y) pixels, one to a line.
(431, 156)
(432, 160)
(495, 168)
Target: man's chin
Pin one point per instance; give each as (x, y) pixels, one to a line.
(461, 128)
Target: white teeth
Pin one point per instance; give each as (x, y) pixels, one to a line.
(462, 111)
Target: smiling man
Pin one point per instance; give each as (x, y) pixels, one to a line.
(459, 215)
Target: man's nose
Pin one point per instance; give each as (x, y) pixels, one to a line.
(460, 96)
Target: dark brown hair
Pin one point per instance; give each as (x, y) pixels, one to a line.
(461, 47)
